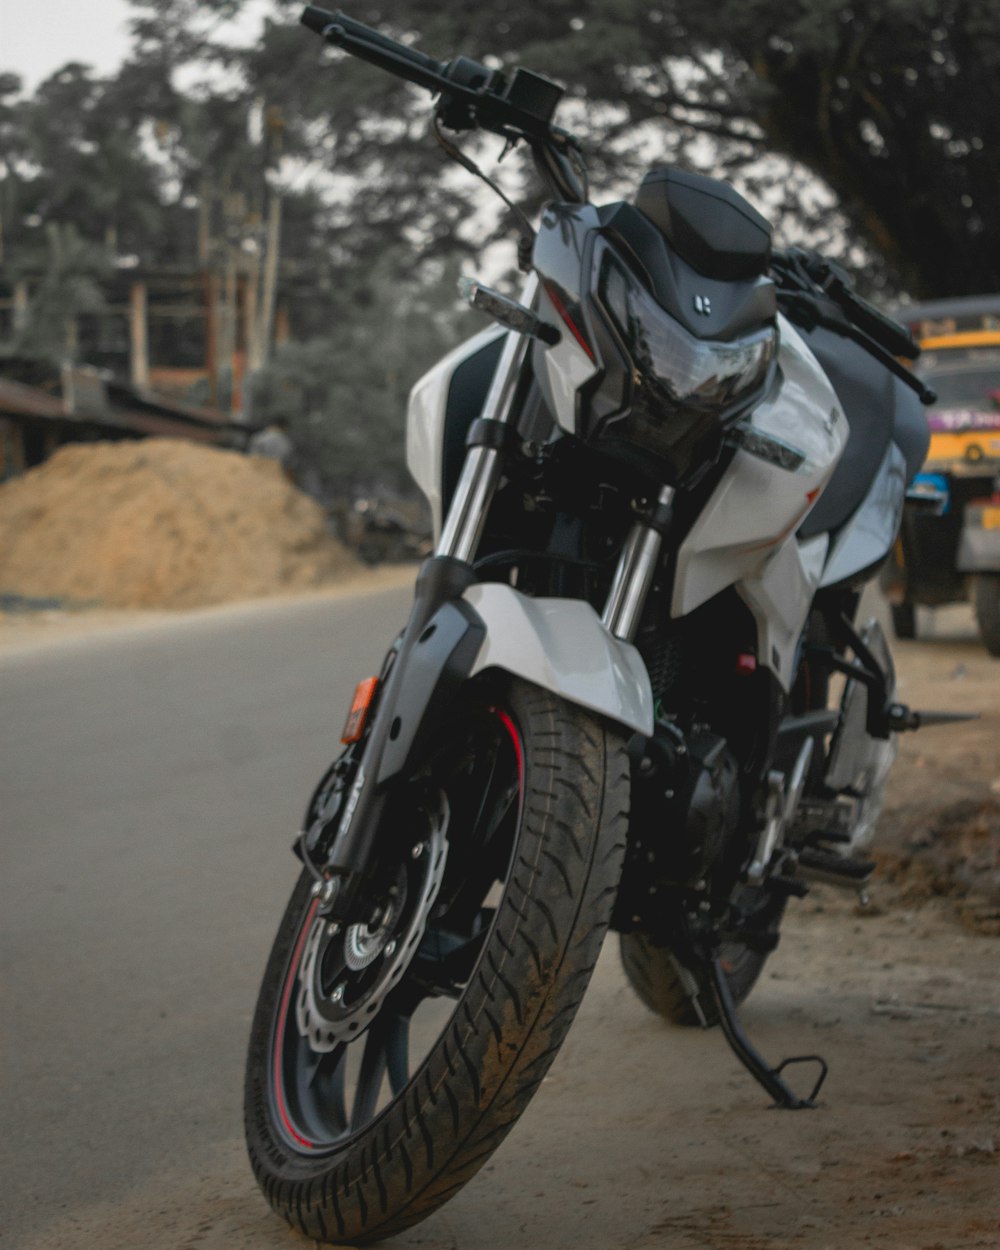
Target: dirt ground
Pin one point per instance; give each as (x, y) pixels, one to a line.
(648, 1137)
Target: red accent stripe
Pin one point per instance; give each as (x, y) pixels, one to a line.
(516, 739)
(560, 308)
(280, 1037)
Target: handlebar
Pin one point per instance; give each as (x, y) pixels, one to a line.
(371, 45)
(471, 94)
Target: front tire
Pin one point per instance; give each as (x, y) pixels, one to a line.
(370, 1135)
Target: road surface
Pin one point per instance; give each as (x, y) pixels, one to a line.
(152, 781)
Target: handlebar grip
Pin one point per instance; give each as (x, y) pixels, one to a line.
(316, 19)
(320, 20)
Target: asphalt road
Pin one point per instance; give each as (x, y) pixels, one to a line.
(152, 781)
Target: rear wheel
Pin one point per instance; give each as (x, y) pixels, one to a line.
(986, 602)
(659, 981)
(656, 979)
(388, 1062)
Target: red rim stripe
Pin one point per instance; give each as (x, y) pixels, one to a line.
(516, 739)
(280, 1038)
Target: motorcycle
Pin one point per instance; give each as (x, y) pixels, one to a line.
(632, 692)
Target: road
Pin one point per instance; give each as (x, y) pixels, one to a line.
(152, 781)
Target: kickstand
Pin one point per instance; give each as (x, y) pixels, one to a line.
(751, 1058)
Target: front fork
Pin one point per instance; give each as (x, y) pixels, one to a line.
(443, 579)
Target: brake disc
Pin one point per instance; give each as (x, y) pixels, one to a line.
(369, 959)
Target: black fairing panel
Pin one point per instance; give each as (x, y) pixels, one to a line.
(879, 409)
(706, 222)
(737, 306)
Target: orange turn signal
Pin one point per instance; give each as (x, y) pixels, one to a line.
(355, 724)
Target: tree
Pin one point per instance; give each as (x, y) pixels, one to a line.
(343, 394)
(891, 103)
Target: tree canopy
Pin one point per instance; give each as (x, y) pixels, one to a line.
(868, 128)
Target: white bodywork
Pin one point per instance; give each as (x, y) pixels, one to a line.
(425, 414)
(744, 537)
(561, 645)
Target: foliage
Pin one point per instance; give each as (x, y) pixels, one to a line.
(70, 285)
(342, 395)
(867, 128)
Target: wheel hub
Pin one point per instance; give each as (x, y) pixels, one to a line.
(363, 943)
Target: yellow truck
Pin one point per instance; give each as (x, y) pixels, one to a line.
(949, 544)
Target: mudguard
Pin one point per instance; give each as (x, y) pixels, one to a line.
(561, 645)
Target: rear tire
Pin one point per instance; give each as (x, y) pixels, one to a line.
(415, 1144)
(986, 602)
(653, 975)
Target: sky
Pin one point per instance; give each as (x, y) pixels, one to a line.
(37, 38)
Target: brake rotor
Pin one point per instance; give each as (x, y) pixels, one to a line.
(370, 958)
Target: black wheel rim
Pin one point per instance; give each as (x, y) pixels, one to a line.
(323, 1099)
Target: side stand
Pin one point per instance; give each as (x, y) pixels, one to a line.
(770, 1078)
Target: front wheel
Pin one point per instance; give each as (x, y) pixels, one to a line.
(387, 1062)
(986, 602)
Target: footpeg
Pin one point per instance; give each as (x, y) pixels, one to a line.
(902, 718)
(769, 1078)
(816, 864)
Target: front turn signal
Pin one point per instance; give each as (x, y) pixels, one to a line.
(355, 723)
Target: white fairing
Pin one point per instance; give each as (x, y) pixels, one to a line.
(425, 415)
(561, 645)
(868, 536)
(780, 596)
(745, 535)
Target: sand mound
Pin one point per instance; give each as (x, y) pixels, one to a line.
(161, 523)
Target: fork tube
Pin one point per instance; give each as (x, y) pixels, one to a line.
(634, 574)
(481, 471)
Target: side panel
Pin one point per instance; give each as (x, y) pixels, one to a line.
(758, 504)
(868, 536)
(425, 420)
(780, 598)
(561, 645)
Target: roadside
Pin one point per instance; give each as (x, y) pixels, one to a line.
(26, 631)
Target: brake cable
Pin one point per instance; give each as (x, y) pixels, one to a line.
(525, 228)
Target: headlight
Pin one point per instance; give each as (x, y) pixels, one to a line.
(691, 373)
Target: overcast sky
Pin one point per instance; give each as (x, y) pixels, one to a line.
(37, 36)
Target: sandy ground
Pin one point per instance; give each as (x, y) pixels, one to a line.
(648, 1137)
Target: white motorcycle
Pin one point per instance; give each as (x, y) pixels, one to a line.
(631, 691)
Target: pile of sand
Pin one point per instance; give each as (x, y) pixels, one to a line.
(161, 523)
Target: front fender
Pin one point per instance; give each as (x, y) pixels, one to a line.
(561, 645)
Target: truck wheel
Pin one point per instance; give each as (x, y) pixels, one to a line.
(904, 619)
(986, 602)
